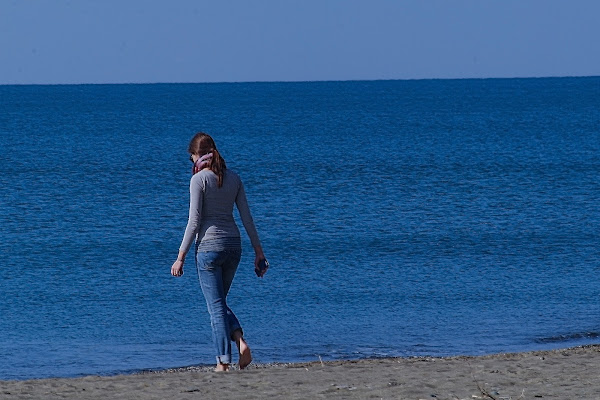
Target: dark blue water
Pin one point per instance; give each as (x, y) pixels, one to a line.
(401, 218)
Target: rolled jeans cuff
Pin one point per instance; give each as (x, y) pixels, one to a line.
(225, 359)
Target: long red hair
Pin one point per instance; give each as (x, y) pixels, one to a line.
(201, 144)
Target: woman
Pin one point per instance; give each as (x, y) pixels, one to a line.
(213, 191)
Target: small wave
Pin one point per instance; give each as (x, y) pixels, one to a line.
(569, 337)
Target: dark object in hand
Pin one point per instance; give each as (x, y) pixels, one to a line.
(262, 267)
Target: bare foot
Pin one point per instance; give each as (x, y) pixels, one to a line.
(222, 368)
(245, 354)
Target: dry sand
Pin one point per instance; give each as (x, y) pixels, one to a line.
(560, 374)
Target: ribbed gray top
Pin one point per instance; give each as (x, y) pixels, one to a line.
(210, 220)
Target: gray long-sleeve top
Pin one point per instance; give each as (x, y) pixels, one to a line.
(210, 220)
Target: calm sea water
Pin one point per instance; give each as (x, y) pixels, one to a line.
(401, 218)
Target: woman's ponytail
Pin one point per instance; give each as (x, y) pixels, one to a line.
(218, 166)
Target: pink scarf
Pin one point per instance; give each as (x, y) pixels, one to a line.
(202, 163)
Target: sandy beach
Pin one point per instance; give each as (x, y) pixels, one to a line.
(558, 374)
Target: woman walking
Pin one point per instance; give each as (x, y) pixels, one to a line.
(214, 190)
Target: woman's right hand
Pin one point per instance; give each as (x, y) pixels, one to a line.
(257, 259)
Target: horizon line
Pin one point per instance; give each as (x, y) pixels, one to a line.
(296, 81)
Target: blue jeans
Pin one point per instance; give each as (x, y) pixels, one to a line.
(216, 270)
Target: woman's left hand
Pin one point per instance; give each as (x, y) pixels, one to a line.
(177, 268)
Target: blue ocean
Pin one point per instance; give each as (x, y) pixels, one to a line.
(400, 218)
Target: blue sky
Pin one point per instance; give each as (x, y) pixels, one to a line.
(121, 41)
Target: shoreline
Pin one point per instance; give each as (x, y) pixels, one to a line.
(548, 374)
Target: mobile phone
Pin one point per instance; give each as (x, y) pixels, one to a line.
(262, 266)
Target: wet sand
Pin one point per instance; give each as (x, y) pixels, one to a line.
(558, 374)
